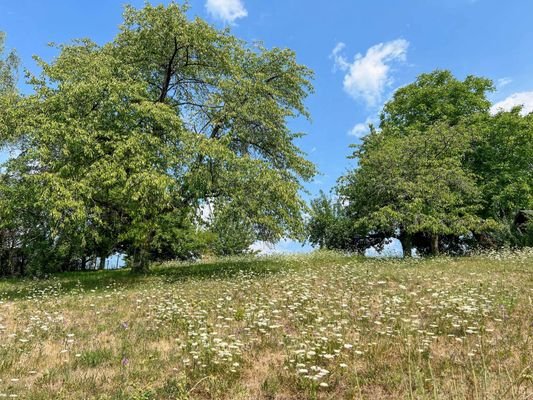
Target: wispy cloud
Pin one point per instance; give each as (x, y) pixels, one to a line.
(524, 99)
(502, 82)
(226, 10)
(367, 76)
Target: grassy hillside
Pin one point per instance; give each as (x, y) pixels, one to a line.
(321, 326)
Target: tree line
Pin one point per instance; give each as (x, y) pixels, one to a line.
(122, 147)
(440, 173)
(171, 142)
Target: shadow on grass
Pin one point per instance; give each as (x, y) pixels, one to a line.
(174, 272)
(221, 269)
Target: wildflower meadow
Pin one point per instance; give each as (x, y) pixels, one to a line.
(319, 326)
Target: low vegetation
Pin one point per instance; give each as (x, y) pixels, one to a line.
(321, 326)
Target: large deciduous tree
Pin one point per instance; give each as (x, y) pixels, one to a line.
(415, 178)
(415, 185)
(412, 179)
(122, 143)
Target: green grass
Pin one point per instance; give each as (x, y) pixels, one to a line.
(322, 326)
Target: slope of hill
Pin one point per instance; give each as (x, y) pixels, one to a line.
(322, 326)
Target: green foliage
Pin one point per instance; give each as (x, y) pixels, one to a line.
(232, 231)
(436, 97)
(415, 183)
(8, 68)
(10, 254)
(179, 240)
(412, 180)
(324, 219)
(9, 64)
(329, 226)
(440, 173)
(121, 143)
(502, 160)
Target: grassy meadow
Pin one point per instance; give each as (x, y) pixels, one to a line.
(319, 326)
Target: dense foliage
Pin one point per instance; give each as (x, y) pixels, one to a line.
(118, 147)
(440, 174)
(171, 142)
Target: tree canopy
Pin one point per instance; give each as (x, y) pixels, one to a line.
(436, 97)
(440, 173)
(119, 145)
(413, 186)
(503, 162)
(172, 141)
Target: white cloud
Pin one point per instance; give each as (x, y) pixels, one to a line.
(361, 129)
(226, 10)
(368, 76)
(340, 61)
(524, 99)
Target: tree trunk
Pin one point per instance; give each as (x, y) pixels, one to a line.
(101, 264)
(407, 244)
(435, 245)
(140, 264)
(22, 267)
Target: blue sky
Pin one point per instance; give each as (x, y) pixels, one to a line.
(360, 51)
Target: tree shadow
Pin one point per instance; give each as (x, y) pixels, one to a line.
(222, 269)
(86, 281)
